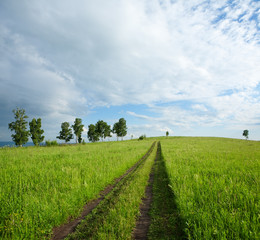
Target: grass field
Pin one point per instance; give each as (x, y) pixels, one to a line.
(41, 187)
(115, 217)
(204, 188)
(166, 221)
(216, 183)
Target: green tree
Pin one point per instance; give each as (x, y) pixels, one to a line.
(120, 128)
(108, 131)
(19, 126)
(102, 129)
(36, 131)
(66, 132)
(167, 133)
(78, 128)
(116, 130)
(245, 134)
(92, 133)
(142, 137)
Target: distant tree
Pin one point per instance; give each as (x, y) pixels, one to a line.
(142, 137)
(108, 131)
(66, 132)
(78, 128)
(167, 133)
(101, 129)
(120, 128)
(36, 131)
(123, 127)
(50, 143)
(116, 129)
(246, 133)
(92, 133)
(19, 126)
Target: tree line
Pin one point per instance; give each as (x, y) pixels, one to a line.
(100, 130)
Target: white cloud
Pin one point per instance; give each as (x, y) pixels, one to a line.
(199, 107)
(64, 58)
(31, 82)
(139, 115)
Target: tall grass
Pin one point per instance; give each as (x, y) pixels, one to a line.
(115, 217)
(216, 184)
(166, 221)
(41, 187)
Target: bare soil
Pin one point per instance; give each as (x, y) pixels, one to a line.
(64, 230)
(142, 225)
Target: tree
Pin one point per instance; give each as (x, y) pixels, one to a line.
(66, 132)
(102, 129)
(19, 126)
(245, 134)
(78, 128)
(92, 133)
(108, 131)
(120, 128)
(36, 131)
(167, 133)
(116, 130)
(142, 137)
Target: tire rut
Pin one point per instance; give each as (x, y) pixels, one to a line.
(64, 230)
(142, 225)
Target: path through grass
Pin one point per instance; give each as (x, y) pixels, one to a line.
(115, 217)
(41, 187)
(166, 219)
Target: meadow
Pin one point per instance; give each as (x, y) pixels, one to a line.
(204, 188)
(115, 217)
(216, 183)
(41, 187)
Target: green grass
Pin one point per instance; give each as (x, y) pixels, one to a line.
(166, 220)
(216, 185)
(41, 187)
(115, 217)
(204, 188)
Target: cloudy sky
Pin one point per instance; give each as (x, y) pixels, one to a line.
(190, 67)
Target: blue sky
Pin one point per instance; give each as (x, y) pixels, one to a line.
(188, 67)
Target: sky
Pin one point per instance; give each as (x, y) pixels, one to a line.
(188, 67)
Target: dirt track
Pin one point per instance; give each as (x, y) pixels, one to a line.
(144, 221)
(64, 230)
